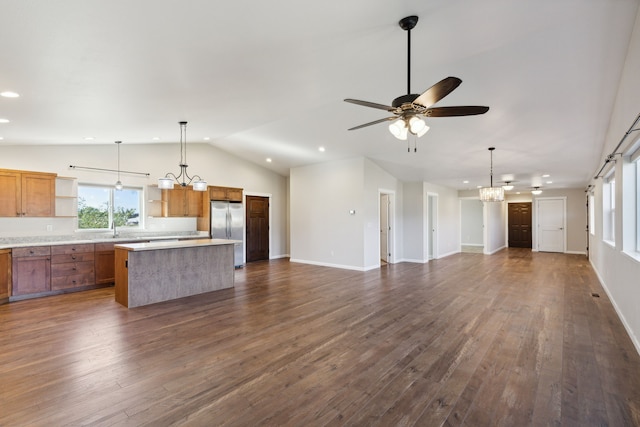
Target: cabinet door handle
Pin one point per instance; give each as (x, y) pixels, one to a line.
(73, 257)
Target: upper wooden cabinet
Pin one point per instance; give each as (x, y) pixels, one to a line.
(24, 193)
(225, 193)
(182, 201)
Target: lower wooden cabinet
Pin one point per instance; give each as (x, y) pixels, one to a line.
(5, 275)
(105, 264)
(31, 270)
(72, 266)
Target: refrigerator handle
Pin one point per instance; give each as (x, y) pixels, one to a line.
(228, 225)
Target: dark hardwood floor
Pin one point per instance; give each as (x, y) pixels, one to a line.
(512, 339)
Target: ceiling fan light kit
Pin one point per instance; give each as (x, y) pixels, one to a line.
(408, 108)
(492, 194)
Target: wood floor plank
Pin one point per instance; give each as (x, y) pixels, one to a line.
(515, 338)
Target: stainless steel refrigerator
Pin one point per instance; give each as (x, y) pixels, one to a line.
(227, 222)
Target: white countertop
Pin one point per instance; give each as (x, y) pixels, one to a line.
(16, 242)
(152, 246)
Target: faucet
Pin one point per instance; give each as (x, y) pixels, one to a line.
(115, 229)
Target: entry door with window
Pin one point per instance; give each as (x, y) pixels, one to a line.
(551, 224)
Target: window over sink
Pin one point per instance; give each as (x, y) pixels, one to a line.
(102, 206)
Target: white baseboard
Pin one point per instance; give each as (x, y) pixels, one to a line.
(497, 250)
(326, 264)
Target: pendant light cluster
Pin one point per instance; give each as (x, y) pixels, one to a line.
(492, 194)
(183, 179)
(118, 182)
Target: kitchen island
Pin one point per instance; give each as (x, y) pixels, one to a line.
(147, 273)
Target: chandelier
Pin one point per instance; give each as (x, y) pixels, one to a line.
(492, 194)
(183, 179)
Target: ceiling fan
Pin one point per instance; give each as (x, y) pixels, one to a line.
(408, 109)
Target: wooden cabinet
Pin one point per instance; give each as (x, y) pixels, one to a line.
(182, 201)
(105, 264)
(31, 272)
(72, 266)
(5, 275)
(225, 193)
(24, 193)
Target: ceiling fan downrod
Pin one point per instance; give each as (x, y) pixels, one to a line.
(408, 24)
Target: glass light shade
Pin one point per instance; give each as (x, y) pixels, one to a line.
(492, 194)
(422, 131)
(398, 129)
(507, 187)
(165, 183)
(536, 192)
(118, 185)
(416, 125)
(200, 185)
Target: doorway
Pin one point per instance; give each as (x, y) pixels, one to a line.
(385, 204)
(432, 226)
(257, 215)
(519, 223)
(551, 224)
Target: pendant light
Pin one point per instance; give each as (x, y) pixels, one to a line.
(491, 194)
(118, 182)
(183, 179)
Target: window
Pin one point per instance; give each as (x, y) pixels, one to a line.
(609, 209)
(636, 165)
(101, 206)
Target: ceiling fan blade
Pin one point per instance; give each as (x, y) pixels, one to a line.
(370, 104)
(438, 91)
(374, 123)
(469, 110)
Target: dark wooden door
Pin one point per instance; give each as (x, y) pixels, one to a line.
(257, 228)
(519, 225)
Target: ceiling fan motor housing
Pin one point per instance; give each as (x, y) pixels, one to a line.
(404, 99)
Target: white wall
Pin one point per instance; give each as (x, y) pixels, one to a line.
(495, 220)
(471, 219)
(618, 271)
(414, 225)
(212, 164)
(322, 229)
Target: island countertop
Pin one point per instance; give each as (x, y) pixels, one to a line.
(175, 244)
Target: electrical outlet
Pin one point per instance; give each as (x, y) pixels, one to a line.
(49, 227)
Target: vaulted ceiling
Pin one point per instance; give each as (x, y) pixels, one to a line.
(267, 80)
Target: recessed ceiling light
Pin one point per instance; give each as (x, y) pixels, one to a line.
(1, 138)
(9, 94)
(549, 182)
(321, 149)
(89, 138)
(517, 192)
(465, 182)
(156, 138)
(4, 120)
(546, 175)
(206, 138)
(268, 159)
(478, 186)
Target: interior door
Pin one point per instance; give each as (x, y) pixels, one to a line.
(384, 227)
(551, 224)
(519, 225)
(257, 214)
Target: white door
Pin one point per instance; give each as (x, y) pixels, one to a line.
(551, 224)
(384, 227)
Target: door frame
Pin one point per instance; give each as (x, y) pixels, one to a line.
(244, 223)
(431, 237)
(391, 219)
(534, 219)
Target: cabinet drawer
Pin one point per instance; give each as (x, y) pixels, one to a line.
(71, 281)
(72, 268)
(105, 246)
(31, 251)
(74, 257)
(71, 249)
